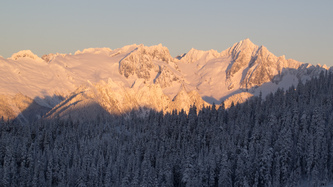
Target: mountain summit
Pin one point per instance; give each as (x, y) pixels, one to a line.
(137, 76)
(25, 54)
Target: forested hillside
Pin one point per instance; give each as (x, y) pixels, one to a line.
(284, 139)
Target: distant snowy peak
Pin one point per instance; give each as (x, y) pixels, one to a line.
(104, 50)
(242, 55)
(266, 67)
(195, 55)
(244, 48)
(25, 54)
(256, 64)
(140, 61)
(157, 52)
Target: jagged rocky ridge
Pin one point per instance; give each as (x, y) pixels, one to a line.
(137, 76)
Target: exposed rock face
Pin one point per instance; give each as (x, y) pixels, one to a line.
(242, 54)
(262, 69)
(166, 77)
(257, 64)
(140, 61)
(265, 67)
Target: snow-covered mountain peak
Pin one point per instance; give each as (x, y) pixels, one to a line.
(142, 60)
(244, 48)
(25, 54)
(246, 42)
(242, 54)
(104, 50)
(128, 48)
(283, 57)
(195, 55)
(157, 52)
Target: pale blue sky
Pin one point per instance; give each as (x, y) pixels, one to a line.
(299, 29)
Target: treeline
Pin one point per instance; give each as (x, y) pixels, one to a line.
(282, 140)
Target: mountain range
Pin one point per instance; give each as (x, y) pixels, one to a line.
(100, 80)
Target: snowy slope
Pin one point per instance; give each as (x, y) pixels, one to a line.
(112, 97)
(137, 76)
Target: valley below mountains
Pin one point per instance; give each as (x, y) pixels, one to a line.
(136, 77)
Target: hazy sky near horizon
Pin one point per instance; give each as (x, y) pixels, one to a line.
(299, 29)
